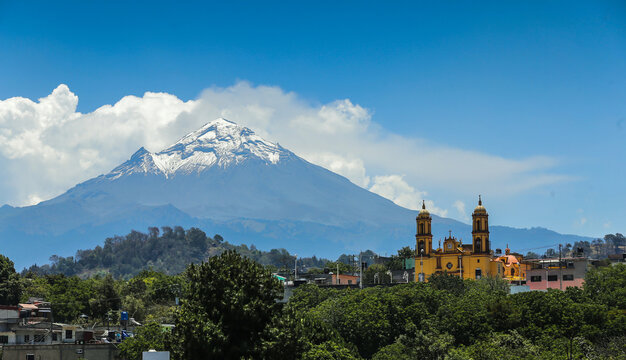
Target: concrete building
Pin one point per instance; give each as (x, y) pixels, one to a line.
(60, 352)
(543, 274)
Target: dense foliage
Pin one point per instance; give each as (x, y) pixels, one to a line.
(446, 318)
(167, 250)
(229, 309)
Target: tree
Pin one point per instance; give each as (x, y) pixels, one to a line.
(607, 285)
(197, 239)
(616, 242)
(227, 307)
(445, 281)
(105, 298)
(149, 336)
(329, 350)
(502, 346)
(10, 286)
(376, 274)
(550, 253)
(332, 266)
(70, 296)
(532, 255)
(406, 253)
(427, 343)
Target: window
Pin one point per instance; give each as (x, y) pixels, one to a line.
(349, 282)
(477, 244)
(568, 277)
(54, 337)
(4, 339)
(535, 278)
(477, 225)
(30, 356)
(553, 278)
(27, 338)
(39, 338)
(512, 272)
(478, 274)
(421, 228)
(68, 334)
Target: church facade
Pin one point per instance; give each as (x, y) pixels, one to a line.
(469, 261)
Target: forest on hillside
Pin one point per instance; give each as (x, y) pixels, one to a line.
(168, 250)
(171, 249)
(598, 249)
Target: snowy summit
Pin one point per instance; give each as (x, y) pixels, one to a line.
(220, 142)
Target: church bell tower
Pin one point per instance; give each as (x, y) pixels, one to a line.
(424, 237)
(480, 229)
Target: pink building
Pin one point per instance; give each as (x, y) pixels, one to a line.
(543, 274)
(344, 279)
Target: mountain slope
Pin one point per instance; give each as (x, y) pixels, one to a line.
(225, 179)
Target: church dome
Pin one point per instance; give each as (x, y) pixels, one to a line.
(423, 211)
(480, 209)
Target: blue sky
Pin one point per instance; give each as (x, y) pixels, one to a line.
(513, 80)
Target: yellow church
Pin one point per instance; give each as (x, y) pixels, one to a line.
(469, 261)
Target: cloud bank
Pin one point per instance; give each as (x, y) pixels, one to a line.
(47, 147)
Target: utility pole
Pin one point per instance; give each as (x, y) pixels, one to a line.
(360, 271)
(51, 323)
(560, 269)
(295, 268)
(337, 278)
(546, 266)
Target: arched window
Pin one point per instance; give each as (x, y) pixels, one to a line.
(477, 244)
(428, 228)
(420, 247)
(478, 274)
(512, 272)
(477, 225)
(421, 228)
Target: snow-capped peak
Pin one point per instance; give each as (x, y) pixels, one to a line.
(220, 142)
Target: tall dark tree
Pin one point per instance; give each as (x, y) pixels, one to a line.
(227, 308)
(10, 287)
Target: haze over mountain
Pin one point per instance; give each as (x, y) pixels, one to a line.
(225, 179)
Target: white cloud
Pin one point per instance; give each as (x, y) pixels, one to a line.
(582, 221)
(394, 188)
(352, 168)
(47, 146)
(460, 208)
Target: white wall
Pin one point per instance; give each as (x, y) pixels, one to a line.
(155, 355)
(11, 336)
(9, 315)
